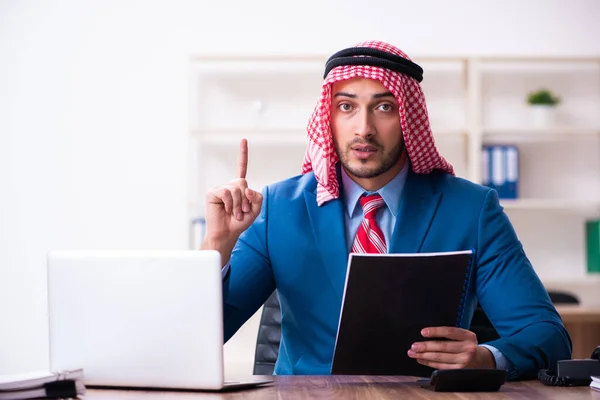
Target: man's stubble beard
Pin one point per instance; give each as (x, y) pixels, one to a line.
(389, 160)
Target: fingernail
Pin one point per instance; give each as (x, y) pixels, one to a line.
(425, 332)
(414, 347)
(239, 216)
(250, 192)
(411, 353)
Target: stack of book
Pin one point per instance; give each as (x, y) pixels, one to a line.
(42, 385)
(595, 383)
(501, 170)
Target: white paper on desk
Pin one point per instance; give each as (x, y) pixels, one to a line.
(595, 384)
(35, 379)
(13, 381)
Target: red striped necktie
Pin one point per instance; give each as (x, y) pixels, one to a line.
(369, 238)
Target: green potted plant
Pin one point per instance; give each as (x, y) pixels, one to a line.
(543, 103)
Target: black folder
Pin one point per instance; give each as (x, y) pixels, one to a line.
(388, 299)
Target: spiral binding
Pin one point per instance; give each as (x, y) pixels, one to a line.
(465, 288)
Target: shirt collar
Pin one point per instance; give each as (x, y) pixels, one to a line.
(391, 192)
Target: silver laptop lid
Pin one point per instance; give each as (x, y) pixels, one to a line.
(137, 318)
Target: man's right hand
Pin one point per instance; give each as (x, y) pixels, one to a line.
(230, 210)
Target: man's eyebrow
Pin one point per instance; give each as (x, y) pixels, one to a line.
(353, 96)
(344, 94)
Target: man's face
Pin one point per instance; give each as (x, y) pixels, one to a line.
(366, 131)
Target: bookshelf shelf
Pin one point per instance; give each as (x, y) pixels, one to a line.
(565, 205)
(529, 134)
(551, 66)
(589, 281)
(272, 136)
(544, 132)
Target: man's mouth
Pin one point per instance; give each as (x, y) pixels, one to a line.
(365, 149)
(364, 152)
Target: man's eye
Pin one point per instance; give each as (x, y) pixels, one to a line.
(386, 107)
(345, 107)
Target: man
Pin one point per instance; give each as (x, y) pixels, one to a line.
(369, 133)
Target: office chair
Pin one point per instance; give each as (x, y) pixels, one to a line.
(482, 326)
(269, 336)
(269, 331)
(562, 297)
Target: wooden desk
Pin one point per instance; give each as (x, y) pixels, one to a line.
(354, 387)
(583, 325)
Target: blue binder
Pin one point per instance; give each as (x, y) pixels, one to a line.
(501, 170)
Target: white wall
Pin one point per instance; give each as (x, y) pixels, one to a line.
(93, 110)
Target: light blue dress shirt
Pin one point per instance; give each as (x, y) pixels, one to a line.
(386, 220)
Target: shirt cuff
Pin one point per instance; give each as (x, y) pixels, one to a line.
(224, 270)
(501, 361)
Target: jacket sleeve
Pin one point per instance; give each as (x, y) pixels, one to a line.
(532, 335)
(249, 281)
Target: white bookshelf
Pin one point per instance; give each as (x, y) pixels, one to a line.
(472, 101)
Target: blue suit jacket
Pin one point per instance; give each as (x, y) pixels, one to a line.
(299, 248)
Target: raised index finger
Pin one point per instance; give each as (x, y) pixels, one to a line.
(243, 158)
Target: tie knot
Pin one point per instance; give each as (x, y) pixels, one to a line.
(371, 204)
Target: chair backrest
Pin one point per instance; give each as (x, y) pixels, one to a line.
(269, 331)
(562, 297)
(269, 336)
(482, 326)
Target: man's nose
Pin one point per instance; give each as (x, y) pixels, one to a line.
(364, 124)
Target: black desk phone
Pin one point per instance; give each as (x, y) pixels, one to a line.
(572, 372)
(465, 380)
(568, 373)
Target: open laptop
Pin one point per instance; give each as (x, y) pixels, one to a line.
(147, 319)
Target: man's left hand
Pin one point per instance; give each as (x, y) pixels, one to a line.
(461, 351)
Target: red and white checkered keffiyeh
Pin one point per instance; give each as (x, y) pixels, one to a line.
(320, 154)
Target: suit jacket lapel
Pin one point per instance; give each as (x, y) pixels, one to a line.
(328, 229)
(418, 205)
